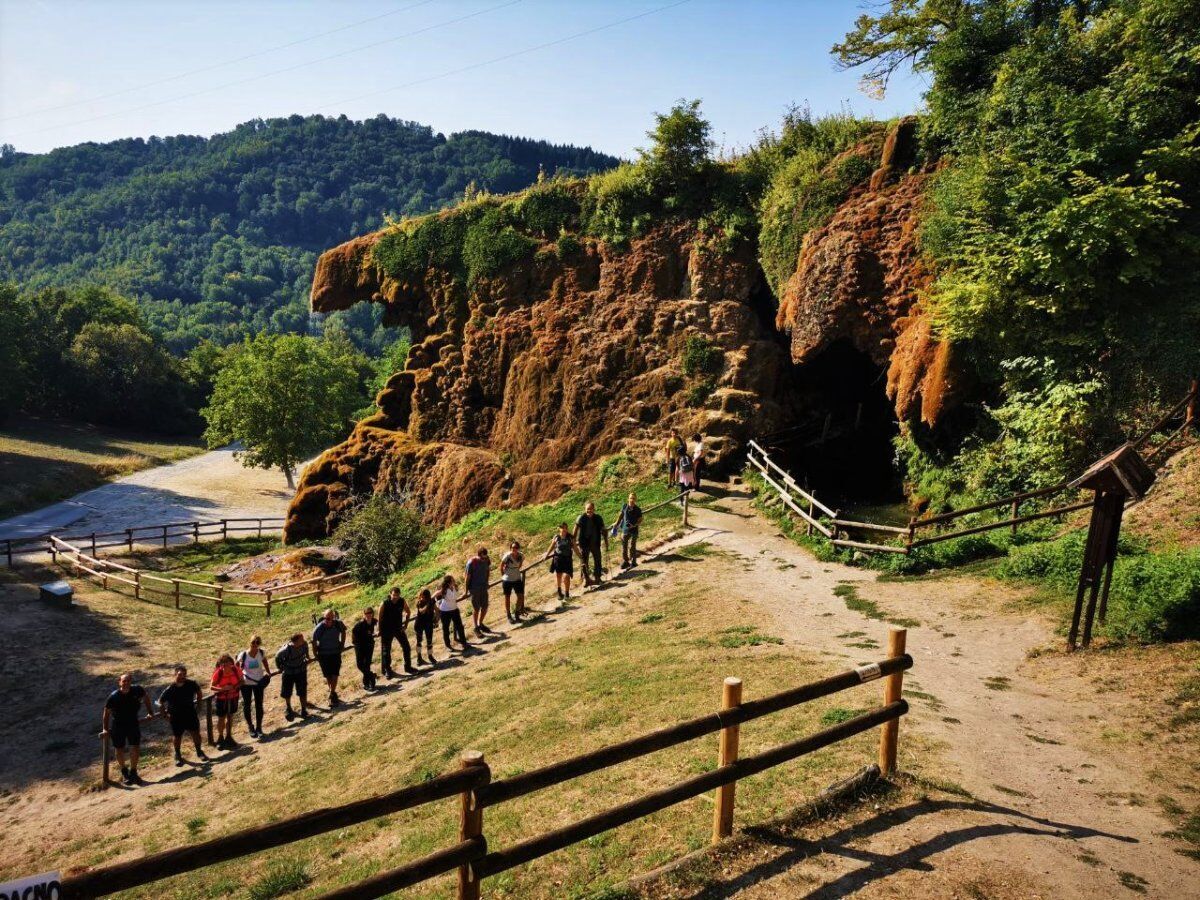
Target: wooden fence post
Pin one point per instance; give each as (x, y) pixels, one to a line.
(1016, 505)
(208, 716)
(267, 603)
(224, 529)
(260, 527)
(812, 507)
(470, 826)
(93, 545)
(893, 686)
(105, 759)
(731, 697)
(53, 550)
(176, 580)
(129, 538)
(164, 537)
(137, 585)
(195, 532)
(220, 600)
(685, 508)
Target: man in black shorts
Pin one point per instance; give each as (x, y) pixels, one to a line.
(120, 721)
(178, 702)
(329, 638)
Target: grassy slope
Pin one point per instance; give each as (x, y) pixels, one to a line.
(43, 461)
(656, 658)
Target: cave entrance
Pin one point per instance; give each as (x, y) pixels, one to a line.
(841, 445)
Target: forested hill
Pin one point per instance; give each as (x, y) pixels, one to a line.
(217, 237)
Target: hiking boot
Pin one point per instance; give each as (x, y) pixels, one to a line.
(420, 659)
(125, 775)
(202, 755)
(334, 700)
(178, 760)
(231, 744)
(134, 777)
(412, 670)
(289, 715)
(432, 661)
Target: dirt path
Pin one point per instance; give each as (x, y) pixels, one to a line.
(210, 486)
(1054, 812)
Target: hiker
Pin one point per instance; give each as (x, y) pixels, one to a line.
(628, 522)
(121, 723)
(589, 533)
(179, 701)
(512, 580)
(479, 573)
(329, 639)
(393, 625)
(697, 460)
(423, 625)
(686, 473)
(674, 448)
(256, 675)
(562, 561)
(447, 606)
(226, 686)
(362, 635)
(292, 660)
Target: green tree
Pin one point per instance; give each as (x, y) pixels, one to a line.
(380, 537)
(281, 397)
(681, 145)
(15, 316)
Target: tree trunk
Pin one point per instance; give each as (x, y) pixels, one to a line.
(287, 470)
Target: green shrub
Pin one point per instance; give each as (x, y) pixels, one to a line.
(701, 357)
(381, 537)
(410, 250)
(614, 468)
(282, 877)
(699, 392)
(619, 205)
(492, 245)
(547, 209)
(568, 244)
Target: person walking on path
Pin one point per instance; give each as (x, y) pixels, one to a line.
(589, 533)
(393, 625)
(512, 580)
(479, 573)
(697, 460)
(226, 686)
(628, 522)
(256, 675)
(687, 474)
(561, 554)
(121, 723)
(329, 639)
(674, 448)
(362, 635)
(179, 702)
(423, 625)
(447, 605)
(292, 659)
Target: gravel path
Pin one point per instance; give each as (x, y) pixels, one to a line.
(208, 487)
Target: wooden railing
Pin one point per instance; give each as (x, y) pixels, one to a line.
(174, 532)
(829, 523)
(473, 783)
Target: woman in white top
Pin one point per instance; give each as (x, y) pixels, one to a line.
(697, 459)
(256, 673)
(447, 604)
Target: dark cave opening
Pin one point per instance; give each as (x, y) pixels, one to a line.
(840, 444)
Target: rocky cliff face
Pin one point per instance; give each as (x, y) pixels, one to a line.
(860, 278)
(515, 386)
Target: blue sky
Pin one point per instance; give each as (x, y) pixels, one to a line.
(96, 70)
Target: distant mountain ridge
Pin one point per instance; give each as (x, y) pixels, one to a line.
(217, 237)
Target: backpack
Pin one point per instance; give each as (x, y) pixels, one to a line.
(685, 463)
(281, 655)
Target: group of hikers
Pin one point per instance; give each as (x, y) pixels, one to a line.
(242, 679)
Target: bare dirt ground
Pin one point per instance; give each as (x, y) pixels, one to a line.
(1037, 800)
(207, 487)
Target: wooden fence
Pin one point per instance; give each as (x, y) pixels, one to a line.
(473, 784)
(1062, 498)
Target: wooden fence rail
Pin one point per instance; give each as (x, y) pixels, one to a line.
(473, 784)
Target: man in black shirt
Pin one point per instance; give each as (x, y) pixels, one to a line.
(589, 532)
(179, 701)
(121, 723)
(393, 624)
(362, 635)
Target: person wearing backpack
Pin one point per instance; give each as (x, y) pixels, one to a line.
(562, 560)
(329, 639)
(697, 460)
(628, 522)
(256, 674)
(292, 661)
(687, 474)
(512, 581)
(479, 574)
(226, 686)
(589, 534)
